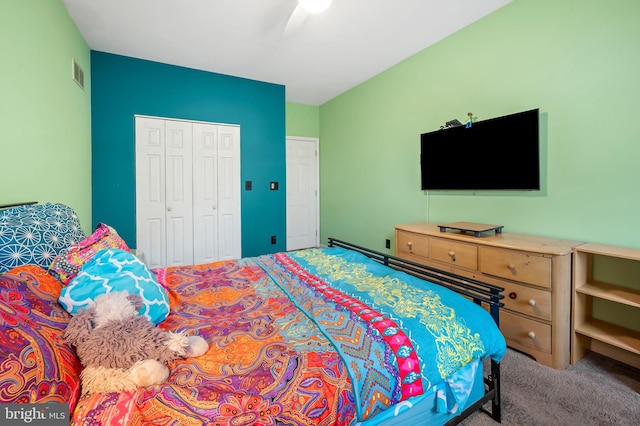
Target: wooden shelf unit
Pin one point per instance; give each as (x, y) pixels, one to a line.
(595, 334)
(535, 272)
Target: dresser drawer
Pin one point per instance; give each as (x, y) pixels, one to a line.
(516, 265)
(454, 253)
(424, 261)
(410, 243)
(527, 300)
(531, 301)
(525, 332)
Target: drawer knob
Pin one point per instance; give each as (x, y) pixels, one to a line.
(410, 244)
(512, 267)
(532, 302)
(453, 255)
(513, 295)
(531, 335)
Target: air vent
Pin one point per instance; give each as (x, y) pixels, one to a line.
(77, 74)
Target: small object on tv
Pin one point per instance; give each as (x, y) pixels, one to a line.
(452, 123)
(470, 120)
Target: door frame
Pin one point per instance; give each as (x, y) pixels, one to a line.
(316, 141)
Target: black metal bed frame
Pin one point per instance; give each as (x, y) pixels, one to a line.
(28, 203)
(478, 291)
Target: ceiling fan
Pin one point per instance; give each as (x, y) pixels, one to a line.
(303, 9)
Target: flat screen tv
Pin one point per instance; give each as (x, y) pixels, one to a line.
(495, 154)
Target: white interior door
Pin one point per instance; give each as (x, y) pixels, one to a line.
(216, 192)
(302, 193)
(187, 191)
(179, 183)
(229, 206)
(150, 190)
(205, 192)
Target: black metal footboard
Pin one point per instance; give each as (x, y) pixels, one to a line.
(478, 291)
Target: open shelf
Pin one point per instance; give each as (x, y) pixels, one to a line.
(611, 334)
(614, 293)
(608, 336)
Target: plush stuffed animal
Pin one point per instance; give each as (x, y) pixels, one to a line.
(121, 350)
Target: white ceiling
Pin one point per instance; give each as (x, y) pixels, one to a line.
(329, 54)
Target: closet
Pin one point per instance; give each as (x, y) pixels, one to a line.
(187, 191)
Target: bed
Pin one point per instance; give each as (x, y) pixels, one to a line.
(339, 335)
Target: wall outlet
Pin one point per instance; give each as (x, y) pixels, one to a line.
(248, 185)
(388, 244)
(273, 186)
(273, 239)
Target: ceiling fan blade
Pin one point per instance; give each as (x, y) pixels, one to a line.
(296, 20)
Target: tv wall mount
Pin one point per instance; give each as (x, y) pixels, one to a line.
(470, 227)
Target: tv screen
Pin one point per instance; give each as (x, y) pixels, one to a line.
(496, 154)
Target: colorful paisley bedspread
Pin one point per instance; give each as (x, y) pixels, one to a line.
(314, 337)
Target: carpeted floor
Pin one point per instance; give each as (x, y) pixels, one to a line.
(596, 391)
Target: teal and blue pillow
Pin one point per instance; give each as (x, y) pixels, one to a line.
(114, 270)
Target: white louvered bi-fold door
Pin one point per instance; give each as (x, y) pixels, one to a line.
(187, 192)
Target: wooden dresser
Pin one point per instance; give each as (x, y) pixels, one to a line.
(535, 272)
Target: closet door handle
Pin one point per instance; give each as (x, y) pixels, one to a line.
(169, 208)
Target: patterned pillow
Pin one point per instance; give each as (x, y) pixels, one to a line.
(35, 234)
(116, 270)
(36, 365)
(68, 262)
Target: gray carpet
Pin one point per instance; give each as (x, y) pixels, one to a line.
(595, 391)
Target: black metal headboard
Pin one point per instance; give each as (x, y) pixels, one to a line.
(28, 203)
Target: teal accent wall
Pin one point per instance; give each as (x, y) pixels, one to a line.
(124, 87)
(46, 117)
(577, 61)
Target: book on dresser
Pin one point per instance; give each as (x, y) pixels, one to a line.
(534, 271)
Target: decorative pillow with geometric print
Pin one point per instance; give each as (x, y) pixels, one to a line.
(35, 234)
(68, 262)
(116, 270)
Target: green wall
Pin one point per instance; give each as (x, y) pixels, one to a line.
(577, 61)
(303, 120)
(46, 141)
